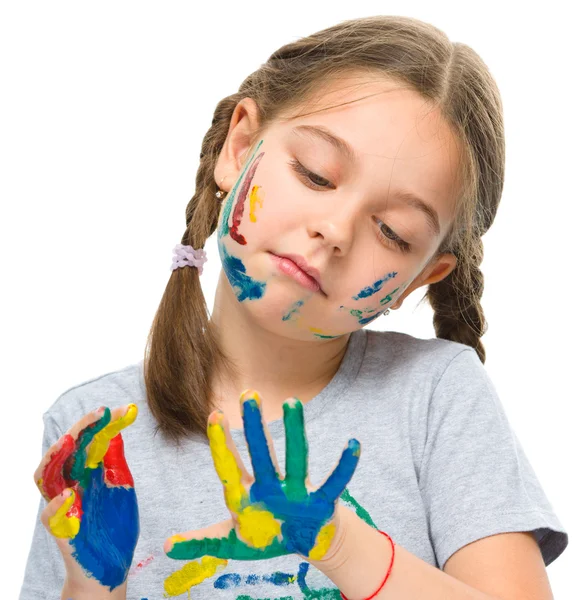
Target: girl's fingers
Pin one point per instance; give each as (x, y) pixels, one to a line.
(227, 462)
(217, 531)
(71, 434)
(296, 450)
(101, 441)
(61, 517)
(265, 464)
(336, 482)
(53, 474)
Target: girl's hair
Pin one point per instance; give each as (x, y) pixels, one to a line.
(183, 349)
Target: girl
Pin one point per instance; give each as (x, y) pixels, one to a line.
(353, 167)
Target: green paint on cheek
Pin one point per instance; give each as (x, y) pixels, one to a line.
(224, 229)
(387, 298)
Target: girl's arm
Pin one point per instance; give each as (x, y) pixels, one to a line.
(358, 564)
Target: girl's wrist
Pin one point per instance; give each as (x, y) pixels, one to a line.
(360, 558)
(91, 590)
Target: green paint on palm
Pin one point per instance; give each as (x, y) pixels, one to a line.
(296, 451)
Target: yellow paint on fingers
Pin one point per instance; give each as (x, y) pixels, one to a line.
(226, 467)
(60, 524)
(192, 574)
(99, 444)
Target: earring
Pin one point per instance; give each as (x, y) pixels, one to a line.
(220, 194)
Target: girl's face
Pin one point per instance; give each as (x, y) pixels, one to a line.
(342, 206)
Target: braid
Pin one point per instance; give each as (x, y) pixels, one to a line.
(458, 314)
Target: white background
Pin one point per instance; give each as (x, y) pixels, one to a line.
(103, 109)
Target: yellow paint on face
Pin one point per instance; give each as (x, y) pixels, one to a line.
(226, 467)
(258, 527)
(255, 197)
(192, 574)
(319, 331)
(99, 445)
(323, 542)
(60, 524)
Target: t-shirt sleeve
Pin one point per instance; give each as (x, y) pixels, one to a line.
(44, 572)
(474, 476)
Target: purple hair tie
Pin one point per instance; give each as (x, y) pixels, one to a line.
(186, 256)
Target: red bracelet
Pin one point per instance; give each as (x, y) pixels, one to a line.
(387, 574)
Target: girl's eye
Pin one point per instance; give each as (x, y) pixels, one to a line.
(392, 238)
(310, 177)
(388, 239)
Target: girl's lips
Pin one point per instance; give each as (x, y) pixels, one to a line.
(293, 270)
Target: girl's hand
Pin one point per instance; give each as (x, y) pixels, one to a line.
(92, 510)
(272, 515)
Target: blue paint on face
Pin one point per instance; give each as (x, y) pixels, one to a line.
(302, 517)
(370, 319)
(109, 530)
(293, 310)
(249, 288)
(371, 290)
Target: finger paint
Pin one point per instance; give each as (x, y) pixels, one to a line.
(101, 440)
(63, 525)
(116, 469)
(250, 289)
(226, 468)
(224, 229)
(192, 574)
(256, 198)
(108, 531)
(52, 482)
(240, 205)
(375, 287)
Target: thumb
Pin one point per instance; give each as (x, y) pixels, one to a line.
(61, 517)
(219, 531)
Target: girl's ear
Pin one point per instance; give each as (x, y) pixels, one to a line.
(242, 128)
(436, 271)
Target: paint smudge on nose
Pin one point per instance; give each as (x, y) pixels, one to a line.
(248, 288)
(375, 287)
(256, 198)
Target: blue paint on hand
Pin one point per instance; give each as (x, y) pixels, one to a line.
(109, 530)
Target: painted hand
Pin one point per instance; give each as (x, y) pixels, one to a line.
(96, 526)
(272, 515)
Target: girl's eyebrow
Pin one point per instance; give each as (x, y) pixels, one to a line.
(343, 148)
(327, 135)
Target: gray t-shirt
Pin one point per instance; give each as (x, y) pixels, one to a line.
(440, 467)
